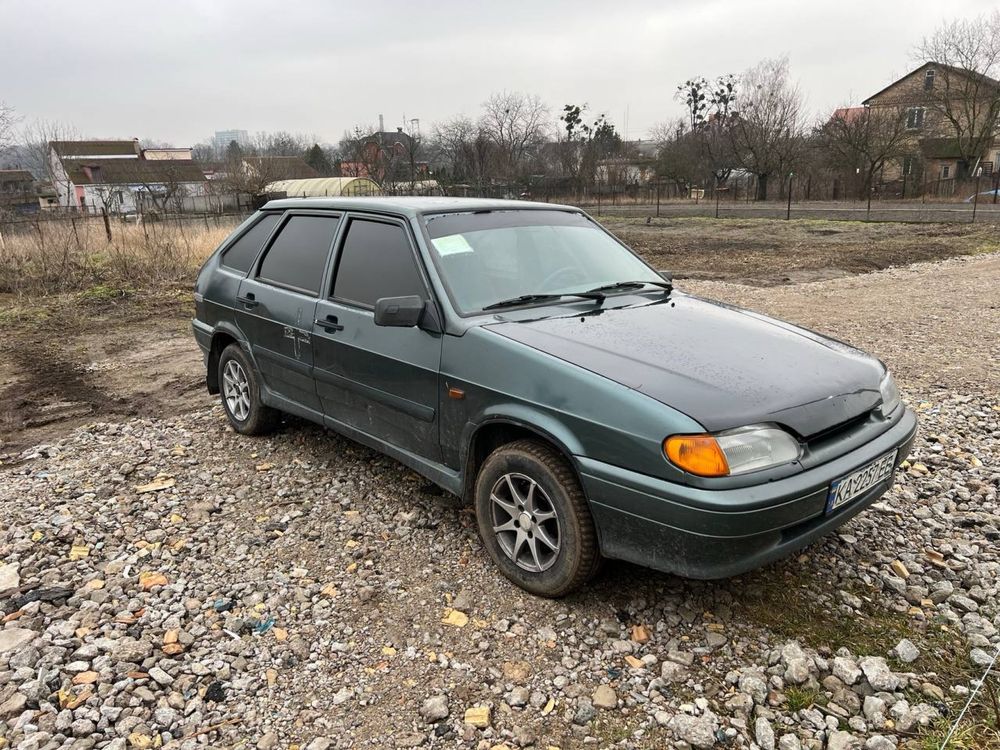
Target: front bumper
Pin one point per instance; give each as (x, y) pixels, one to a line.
(699, 533)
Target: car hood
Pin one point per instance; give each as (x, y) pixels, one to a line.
(722, 366)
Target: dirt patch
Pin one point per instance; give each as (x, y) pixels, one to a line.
(767, 252)
(79, 364)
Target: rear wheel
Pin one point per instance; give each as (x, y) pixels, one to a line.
(534, 520)
(240, 392)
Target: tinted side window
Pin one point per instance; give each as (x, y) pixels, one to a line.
(240, 255)
(298, 254)
(376, 261)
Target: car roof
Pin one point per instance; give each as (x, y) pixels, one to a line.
(413, 206)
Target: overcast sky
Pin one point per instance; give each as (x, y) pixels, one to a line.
(177, 71)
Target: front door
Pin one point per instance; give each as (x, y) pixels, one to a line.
(276, 305)
(382, 381)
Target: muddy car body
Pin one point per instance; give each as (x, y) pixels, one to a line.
(519, 356)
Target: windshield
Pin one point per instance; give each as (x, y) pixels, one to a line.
(491, 256)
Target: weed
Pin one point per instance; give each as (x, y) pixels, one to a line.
(800, 698)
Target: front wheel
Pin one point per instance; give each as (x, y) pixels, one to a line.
(534, 520)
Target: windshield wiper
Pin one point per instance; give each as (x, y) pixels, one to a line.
(622, 285)
(527, 299)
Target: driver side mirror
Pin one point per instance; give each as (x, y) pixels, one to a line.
(401, 312)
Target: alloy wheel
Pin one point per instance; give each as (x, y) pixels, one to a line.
(525, 522)
(236, 390)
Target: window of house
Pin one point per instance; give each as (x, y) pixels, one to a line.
(376, 260)
(298, 254)
(241, 254)
(915, 118)
(907, 165)
(929, 80)
(945, 171)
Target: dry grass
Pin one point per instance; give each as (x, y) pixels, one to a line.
(45, 257)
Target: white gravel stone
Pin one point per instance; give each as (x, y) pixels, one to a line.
(906, 652)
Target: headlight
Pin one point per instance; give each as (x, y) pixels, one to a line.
(890, 395)
(732, 452)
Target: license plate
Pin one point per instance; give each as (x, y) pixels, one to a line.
(847, 488)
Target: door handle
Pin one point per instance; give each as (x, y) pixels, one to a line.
(248, 300)
(329, 323)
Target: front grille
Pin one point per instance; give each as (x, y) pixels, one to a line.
(838, 430)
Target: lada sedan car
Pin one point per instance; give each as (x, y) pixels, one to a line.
(521, 357)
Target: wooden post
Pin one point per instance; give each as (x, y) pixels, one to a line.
(107, 223)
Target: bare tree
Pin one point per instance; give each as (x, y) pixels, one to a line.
(583, 146)
(679, 158)
(863, 139)
(35, 147)
(413, 154)
(251, 168)
(964, 90)
(766, 130)
(516, 124)
(7, 120)
(711, 106)
(467, 149)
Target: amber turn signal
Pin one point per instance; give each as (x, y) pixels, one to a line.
(697, 454)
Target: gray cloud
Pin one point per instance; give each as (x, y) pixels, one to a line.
(178, 71)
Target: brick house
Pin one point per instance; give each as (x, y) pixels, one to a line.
(386, 156)
(934, 152)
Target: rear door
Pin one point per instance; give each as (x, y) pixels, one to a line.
(380, 380)
(276, 304)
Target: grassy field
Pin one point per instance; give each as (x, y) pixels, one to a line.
(61, 256)
(52, 257)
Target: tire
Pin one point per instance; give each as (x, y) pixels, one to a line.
(528, 497)
(243, 407)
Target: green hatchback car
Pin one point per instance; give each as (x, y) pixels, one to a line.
(521, 357)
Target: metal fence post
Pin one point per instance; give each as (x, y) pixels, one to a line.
(975, 200)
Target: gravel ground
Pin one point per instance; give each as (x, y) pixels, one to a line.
(167, 582)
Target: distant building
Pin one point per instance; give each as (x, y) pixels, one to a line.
(386, 156)
(279, 168)
(17, 190)
(933, 147)
(120, 177)
(223, 138)
(164, 154)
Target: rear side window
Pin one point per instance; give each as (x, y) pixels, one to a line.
(241, 254)
(376, 261)
(298, 254)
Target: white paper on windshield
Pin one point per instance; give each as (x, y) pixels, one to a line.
(453, 244)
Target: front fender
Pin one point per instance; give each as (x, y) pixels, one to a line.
(527, 418)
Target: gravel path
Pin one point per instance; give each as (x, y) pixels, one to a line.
(167, 582)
